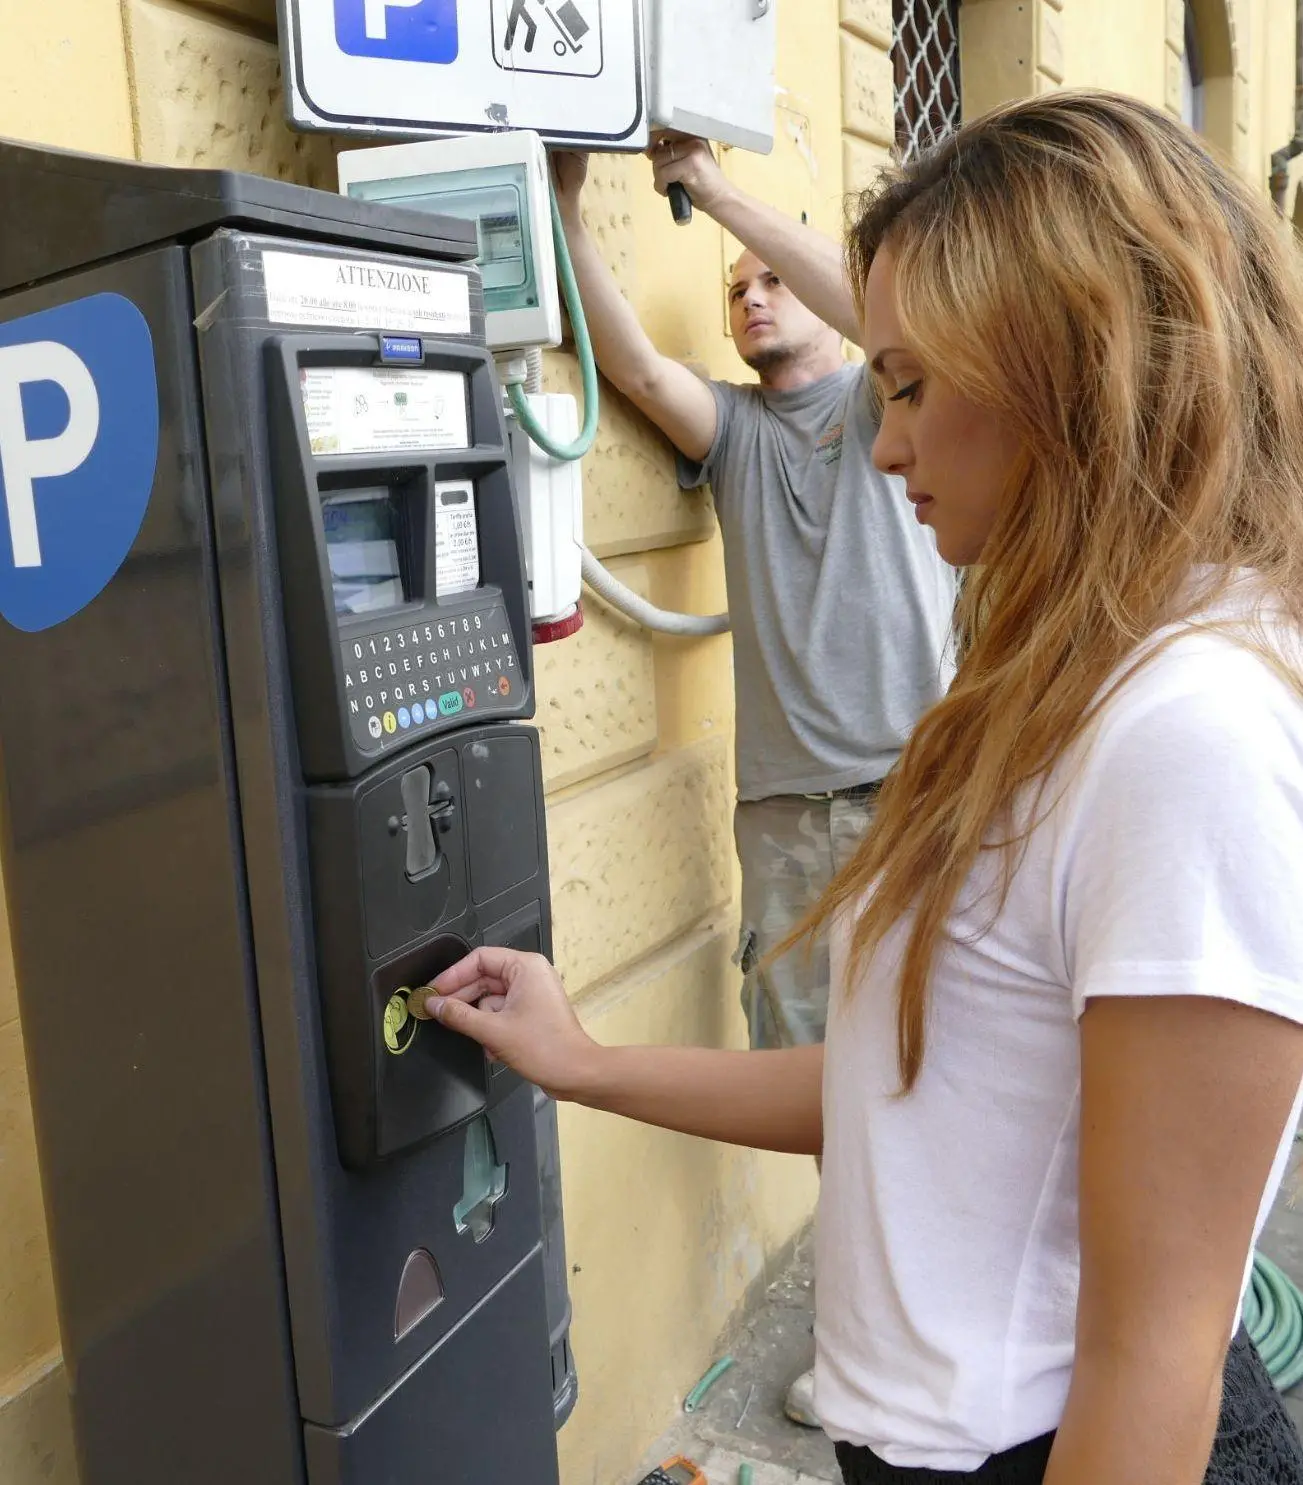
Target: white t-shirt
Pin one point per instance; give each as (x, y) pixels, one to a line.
(947, 1258)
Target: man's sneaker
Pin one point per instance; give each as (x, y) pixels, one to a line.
(799, 1406)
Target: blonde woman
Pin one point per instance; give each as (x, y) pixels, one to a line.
(1063, 1063)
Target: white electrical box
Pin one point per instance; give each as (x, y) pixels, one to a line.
(551, 496)
(711, 69)
(499, 182)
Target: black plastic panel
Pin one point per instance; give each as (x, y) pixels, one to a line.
(125, 888)
(396, 908)
(468, 1422)
(380, 930)
(501, 815)
(438, 1080)
(408, 1203)
(478, 657)
(77, 209)
(349, 1230)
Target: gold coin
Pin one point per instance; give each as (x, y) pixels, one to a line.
(416, 1003)
(395, 1019)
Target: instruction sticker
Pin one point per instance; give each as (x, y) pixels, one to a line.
(456, 538)
(353, 295)
(375, 410)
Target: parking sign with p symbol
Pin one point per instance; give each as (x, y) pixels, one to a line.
(398, 30)
(79, 430)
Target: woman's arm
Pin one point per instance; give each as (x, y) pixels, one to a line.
(1183, 1104)
(516, 1007)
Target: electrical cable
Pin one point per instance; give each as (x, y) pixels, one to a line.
(587, 363)
(697, 1395)
(1273, 1316)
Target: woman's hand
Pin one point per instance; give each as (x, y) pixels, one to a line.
(516, 1007)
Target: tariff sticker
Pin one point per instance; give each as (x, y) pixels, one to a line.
(456, 538)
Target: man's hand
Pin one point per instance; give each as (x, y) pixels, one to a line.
(516, 1007)
(690, 162)
(569, 171)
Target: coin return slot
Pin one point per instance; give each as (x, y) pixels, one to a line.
(420, 1293)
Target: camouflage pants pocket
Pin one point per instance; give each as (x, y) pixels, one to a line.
(789, 848)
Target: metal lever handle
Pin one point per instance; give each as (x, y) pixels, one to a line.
(680, 203)
(425, 813)
(442, 809)
(422, 850)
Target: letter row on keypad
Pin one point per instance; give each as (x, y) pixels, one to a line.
(424, 674)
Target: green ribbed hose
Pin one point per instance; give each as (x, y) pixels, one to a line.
(1273, 1316)
(583, 345)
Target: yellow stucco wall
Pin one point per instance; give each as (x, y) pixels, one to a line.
(1256, 77)
(1015, 47)
(665, 1234)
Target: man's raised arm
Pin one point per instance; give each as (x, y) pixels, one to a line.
(680, 404)
(809, 263)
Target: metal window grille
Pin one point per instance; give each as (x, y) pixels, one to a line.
(925, 53)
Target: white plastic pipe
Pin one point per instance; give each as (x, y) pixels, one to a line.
(636, 607)
(632, 605)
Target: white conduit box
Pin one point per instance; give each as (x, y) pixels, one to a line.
(551, 496)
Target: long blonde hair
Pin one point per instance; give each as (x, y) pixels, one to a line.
(1079, 264)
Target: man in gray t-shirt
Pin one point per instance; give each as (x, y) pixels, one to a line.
(840, 606)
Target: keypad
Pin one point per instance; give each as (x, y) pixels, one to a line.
(414, 678)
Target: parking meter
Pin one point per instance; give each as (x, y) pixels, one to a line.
(266, 764)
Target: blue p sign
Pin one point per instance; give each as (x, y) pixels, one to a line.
(400, 30)
(78, 447)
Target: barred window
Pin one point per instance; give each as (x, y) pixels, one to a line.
(925, 53)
